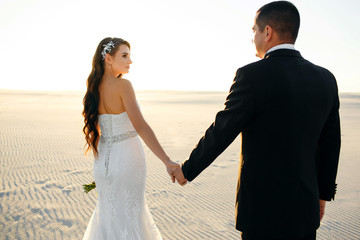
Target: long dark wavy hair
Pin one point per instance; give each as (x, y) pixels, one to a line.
(91, 98)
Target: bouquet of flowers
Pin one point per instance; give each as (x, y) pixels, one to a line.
(89, 187)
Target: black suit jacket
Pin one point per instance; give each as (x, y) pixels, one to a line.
(286, 110)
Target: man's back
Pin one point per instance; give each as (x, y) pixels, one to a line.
(293, 101)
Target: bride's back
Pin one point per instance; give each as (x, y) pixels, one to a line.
(110, 97)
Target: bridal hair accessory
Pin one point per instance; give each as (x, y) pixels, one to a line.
(107, 49)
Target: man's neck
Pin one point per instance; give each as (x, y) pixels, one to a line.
(281, 46)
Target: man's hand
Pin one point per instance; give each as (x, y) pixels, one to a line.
(322, 208)
(178, 174)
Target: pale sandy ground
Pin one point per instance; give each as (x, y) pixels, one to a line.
(42, 168)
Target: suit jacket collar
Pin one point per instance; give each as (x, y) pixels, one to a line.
(283, 52)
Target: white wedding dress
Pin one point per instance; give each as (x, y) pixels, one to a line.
(120, 173)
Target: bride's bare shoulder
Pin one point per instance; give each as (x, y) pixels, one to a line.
(124, 83)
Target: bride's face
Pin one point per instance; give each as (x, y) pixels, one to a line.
(120, 62)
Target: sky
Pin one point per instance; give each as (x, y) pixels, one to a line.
(175, 45)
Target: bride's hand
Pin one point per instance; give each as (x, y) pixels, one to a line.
(171, 167)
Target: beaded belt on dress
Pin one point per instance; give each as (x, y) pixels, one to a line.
(113, 139)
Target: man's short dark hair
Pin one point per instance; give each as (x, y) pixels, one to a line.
(282, 16)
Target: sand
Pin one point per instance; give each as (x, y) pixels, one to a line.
(43, 167)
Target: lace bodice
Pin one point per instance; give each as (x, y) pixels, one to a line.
(115, 124)
(114, 128)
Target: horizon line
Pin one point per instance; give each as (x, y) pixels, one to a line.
(139, 90)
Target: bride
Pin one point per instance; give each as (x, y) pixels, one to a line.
(113, 122)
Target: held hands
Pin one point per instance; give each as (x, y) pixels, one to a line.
(178, 174)
(170, 168)
(175, 172)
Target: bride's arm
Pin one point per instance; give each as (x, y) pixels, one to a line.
(141, 126)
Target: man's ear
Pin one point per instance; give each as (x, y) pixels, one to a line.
(269, 33)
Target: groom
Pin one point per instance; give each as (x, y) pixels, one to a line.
(286, 110)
